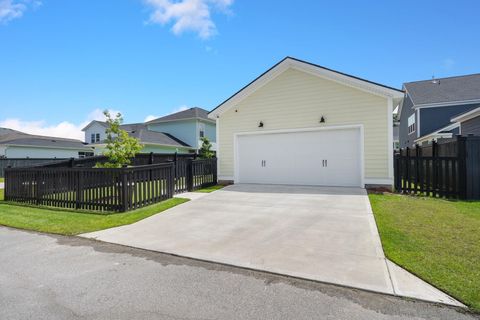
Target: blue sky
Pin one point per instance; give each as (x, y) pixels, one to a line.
(62, 62)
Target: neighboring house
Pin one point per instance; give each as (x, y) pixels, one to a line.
(303, 124)
(152, 141)
(16, 144)
(429, 106)
(179, 132)
(189, 126)
(469, 122)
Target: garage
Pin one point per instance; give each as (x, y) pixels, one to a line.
(328, 157)
(300, 123)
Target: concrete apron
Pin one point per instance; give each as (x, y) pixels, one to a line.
(315, 233)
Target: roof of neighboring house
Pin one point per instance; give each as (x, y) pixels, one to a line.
(467, 115)
(14, 137)
(192, 113)
(316, 69)
(103, 123)
(141, 132)
(445, 132)
(445, 90)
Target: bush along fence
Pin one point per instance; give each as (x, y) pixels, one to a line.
(449, 169)
(108, 189)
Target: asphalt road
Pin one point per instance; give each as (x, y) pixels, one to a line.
(56, 277)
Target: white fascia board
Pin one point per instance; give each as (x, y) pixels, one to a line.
(445, 104)
(467, 115)
(310, 69)
(438, 134)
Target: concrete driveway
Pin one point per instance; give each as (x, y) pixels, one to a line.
(317, 233)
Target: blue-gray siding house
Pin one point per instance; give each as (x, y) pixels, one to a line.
(178, 132)
(429, 106)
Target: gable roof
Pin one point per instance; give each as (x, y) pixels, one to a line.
(192, 113)
(14, 137)
(474, 113)
(461, 89)
(311, 68)
(102, 123)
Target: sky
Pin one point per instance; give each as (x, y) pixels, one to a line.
(63, 62)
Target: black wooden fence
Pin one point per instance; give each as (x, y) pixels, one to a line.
(103, 189)
(449, 169)
(25, 162)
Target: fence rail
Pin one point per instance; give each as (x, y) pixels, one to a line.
(450, 169)
(104, 189)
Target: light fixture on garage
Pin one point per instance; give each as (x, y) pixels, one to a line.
(260, 125)
(322, 119)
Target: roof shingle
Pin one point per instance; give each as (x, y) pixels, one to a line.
(445, 90)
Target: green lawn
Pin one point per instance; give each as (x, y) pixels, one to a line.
(438, 240)
(69, 222)
(210, 189)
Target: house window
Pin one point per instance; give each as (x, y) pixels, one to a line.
(82, 154)
(411, 124)
(94, 137)
(202, 130)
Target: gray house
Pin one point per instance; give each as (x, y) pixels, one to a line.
(16, 144)
(429, 106)
(178, 132)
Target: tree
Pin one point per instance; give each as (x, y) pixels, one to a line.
(120, 146)
(205, 151)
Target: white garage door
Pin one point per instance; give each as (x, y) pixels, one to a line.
(323, 158)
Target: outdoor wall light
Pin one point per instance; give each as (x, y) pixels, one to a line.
(322, 119)
(260, 125)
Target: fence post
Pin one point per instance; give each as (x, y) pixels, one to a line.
(462, 167)
(189, 175)
(79, 195)
(171, 182)
(215, 171)
(70, 162)
(37, 188)
(150, 159)
(434, 168)
(124, 190)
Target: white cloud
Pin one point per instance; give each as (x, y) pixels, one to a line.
(63, 129)
(13, 9)
(150, 118)
(188, 15)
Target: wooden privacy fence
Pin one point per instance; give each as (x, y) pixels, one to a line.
(25, 162)
(450, 169)
(104, 189)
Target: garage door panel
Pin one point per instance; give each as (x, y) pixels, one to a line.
(298, 158)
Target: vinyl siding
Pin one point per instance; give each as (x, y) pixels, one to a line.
(295, 99)
(33, 152)
(432, 119)
(406, 139)
(183, 130)
(95, 128)
(471, 126)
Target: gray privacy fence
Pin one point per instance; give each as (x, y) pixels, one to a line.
(105, 189)
(449, 168)
(24, 162)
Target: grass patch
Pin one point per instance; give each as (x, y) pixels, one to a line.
(210, 189)
(438, 240)
(2, 179)
(70, 222)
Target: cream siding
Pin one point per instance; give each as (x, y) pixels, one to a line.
(295, 99)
